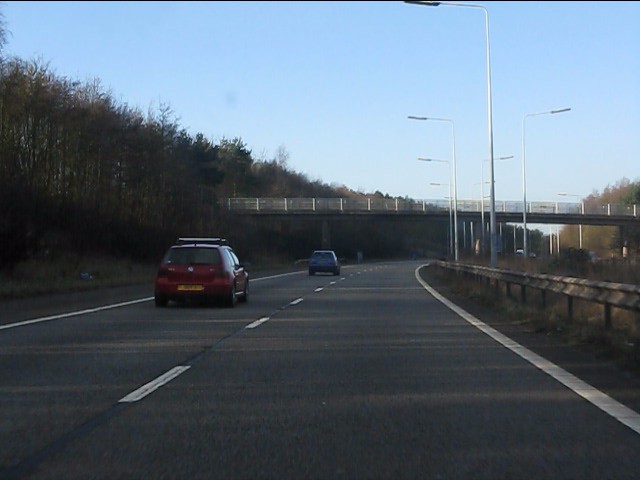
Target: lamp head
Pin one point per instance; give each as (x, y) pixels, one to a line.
(426, 4)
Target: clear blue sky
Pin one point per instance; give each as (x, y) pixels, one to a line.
(333, 83)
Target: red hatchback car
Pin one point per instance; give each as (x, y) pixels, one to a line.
(201, 268)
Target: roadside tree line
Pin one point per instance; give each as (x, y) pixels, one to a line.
(80, 171)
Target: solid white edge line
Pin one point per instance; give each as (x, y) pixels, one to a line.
(153, 385)
(73, 314)
(620, 412)
(258, 322)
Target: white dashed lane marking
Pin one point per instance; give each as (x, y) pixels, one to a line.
(257, 323)
(153, 385)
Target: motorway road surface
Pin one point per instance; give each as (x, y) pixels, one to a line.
(363, 375)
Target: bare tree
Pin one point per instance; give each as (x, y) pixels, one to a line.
(3, 34)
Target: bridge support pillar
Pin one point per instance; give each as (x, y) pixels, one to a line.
(624, 251)
(477, 235)
(326, 235)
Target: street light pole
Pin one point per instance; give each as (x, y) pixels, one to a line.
(450, 222)
(525, 246)
(482, 195)
(455, 189)
(451, 231)
(482, 240)
(492, 219)
(563, 194)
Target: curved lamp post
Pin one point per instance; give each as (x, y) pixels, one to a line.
(452, 233)
(525, 246)
(494, 238)
(455, 191)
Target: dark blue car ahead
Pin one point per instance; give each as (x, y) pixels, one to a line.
(324, 261)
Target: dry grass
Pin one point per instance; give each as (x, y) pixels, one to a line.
(613, 270)
(69, 272)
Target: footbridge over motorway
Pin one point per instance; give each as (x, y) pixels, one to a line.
(555, 213)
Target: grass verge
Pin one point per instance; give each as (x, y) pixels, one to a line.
(70, 273)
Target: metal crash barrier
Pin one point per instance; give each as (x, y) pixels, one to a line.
(608, 294)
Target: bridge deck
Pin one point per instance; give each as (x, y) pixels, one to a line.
(506, 211)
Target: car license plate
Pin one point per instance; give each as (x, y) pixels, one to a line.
(190, 288)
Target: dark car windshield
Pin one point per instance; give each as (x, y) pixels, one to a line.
(193, 255)
(322, 256)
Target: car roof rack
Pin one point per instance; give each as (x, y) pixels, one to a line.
(201, 240)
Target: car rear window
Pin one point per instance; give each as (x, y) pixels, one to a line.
(323, 255)
(193, 256)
